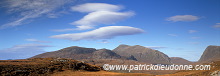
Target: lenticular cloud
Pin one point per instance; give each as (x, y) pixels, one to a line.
(101, 33)
(99, 13)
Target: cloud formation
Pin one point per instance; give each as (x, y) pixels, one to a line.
(35, 40)
(30, 9)
(182, 18)
(22, 51)
(100, 17)
(101, 33)
(217, 25)
(99, 13)
(92, 7)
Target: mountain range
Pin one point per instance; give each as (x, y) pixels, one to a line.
(122, 52)
(125, 52)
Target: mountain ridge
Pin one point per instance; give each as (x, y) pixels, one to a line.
(79, 53)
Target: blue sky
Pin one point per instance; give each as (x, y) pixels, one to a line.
(182, 28)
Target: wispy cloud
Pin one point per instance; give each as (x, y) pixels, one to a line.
(22, 51)
(182, 18)
(172, 35)
(192, 31)
(98, 13)
(30, 9)
(35, 40)
(101, 33)
(217, 25)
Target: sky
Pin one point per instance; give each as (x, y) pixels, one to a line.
(178, 28)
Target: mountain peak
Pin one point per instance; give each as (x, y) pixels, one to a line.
(143, 54)
(211, 53)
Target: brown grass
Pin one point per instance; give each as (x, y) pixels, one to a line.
(99, 73)
(54, 67)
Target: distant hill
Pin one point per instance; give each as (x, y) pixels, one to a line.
(211, 53)
(143, 54)
(73, 52)
(125, 52)
(80, 53)
(178, 60)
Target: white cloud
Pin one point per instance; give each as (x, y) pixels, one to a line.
(172, 35)
(92, 7)
(98, 13)
(22, 51)
(192, 31)
(35, 40)
(30, 9)
(217, 25)
(182, 18)
(101, 33)
(101, 17)
(155, 47)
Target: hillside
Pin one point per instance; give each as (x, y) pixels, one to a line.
(178, 60)
(105, 54)
(143, 54)
(42, 66)
(73, 52)
(211, 53)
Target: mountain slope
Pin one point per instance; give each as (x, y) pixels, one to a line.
(211, 53)
(143, 54)
(80, 53)
(178, 60)
(73, 52)
(105, 54)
